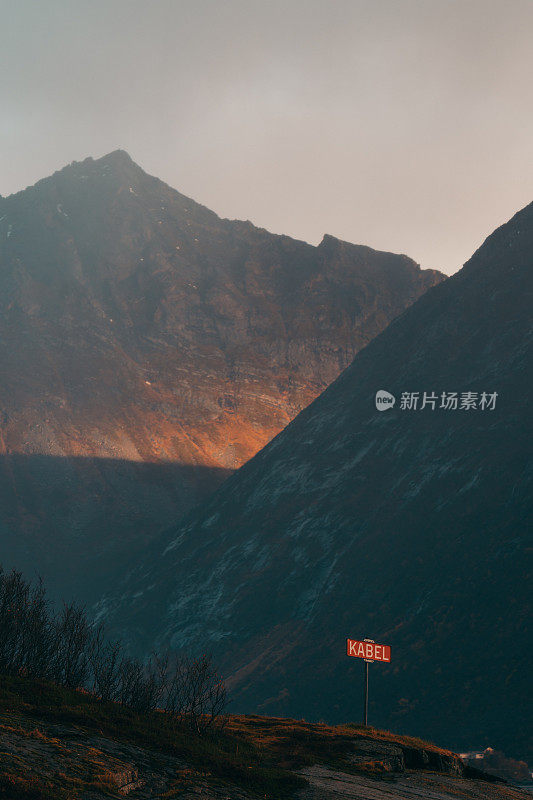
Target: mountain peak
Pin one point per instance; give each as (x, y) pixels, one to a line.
(329, 239)
(116, 160)
(332, 244)
(118, 156)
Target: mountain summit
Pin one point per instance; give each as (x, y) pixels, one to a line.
(149, 347)
(409, 525)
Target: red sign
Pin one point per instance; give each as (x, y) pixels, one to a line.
(370, 651)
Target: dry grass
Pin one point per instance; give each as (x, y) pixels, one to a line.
(220, 758)
(256, 754)
(17, 787)
(297, 743)
(395, 738)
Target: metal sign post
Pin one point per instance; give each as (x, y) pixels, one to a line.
(369, 651)
(367, 662)
(365, 715)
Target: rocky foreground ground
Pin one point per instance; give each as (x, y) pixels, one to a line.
(64, 746)
(327, 784)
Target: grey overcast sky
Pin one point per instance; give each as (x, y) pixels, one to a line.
(406, 125)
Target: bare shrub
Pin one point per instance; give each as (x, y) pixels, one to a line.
(196, 695)
(25, 629)
(66, 648)
(73, 642)
(105, 659)
(141, 685)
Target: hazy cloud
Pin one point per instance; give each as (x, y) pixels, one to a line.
(403, 124)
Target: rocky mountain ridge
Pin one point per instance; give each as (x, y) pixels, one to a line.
(148, 348)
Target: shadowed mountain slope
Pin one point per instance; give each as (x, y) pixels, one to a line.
(408, 526)
(137, 325)
(70, 497)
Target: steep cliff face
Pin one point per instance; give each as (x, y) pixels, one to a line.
(408, 526)
(148, 348)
